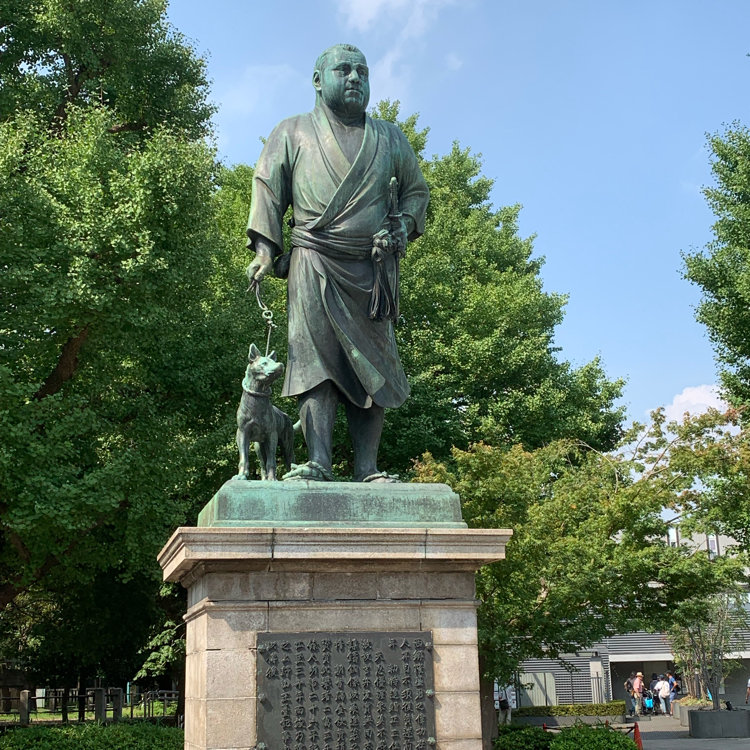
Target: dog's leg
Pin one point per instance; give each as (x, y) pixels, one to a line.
(243, 446)
(272, 444)
(260, 452)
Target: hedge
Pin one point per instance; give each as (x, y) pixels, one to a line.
(122, 736)
(570, 738)
(613, 708)
(517, 737)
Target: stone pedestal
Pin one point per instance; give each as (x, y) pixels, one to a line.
(243, 581)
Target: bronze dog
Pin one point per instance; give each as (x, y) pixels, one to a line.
(259, 421)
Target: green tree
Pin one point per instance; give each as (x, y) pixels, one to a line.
(722, 270)
(120, 345)
(589, 556)
(704, 633)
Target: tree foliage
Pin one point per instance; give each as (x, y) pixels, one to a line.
(120, 353)
(589, 556)
(722, 270)
(704, 635)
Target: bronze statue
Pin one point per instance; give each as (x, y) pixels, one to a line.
(335, 166)
(258, 421)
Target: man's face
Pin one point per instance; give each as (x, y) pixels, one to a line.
(344, 82)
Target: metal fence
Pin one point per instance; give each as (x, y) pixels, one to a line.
(95, 704)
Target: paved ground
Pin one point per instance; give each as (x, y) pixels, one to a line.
(665, 733)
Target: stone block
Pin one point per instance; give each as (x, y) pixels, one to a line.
(231, 674)
(405, 585)
(196, 592)
(195, 675)
(449, 623)
(474, 744)
(235, 628)
(230, 723)
(349, 544)
(331, 586)
(195, 722)
(257, 586)
(341, 616)
(719, 724)
(456, 668)
(195, 638)
(457, 716)
(441, 544)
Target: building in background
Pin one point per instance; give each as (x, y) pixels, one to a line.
(598, 675)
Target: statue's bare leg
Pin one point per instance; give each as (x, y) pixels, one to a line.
(365, 429)
(317, 413)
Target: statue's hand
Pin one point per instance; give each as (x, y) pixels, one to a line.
(399, 235)
(259, 268)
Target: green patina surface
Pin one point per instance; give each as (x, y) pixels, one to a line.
(344, 504)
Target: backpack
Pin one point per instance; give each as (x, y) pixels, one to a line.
(628, 686)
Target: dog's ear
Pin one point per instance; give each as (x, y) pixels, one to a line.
(272, 355)
(254, 353)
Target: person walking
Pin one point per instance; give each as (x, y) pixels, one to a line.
(661, 688)
(638, 693)
(629, 699)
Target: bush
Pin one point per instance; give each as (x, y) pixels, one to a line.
(517, 737)
(570, 738)
(124, 736)
(574, 709)
(696, 702)
(591, 738)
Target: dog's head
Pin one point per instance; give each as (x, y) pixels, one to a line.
(263, 369)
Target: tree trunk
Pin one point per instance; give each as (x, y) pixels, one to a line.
(180, 682)
(82, 680)
(65, 700)
(487, 704)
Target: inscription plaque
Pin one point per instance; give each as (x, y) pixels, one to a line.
(346, 691)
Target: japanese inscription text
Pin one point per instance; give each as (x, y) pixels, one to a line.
(346, 691)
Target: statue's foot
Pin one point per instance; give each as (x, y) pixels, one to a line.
(240, 476)
(311, 471)
(382, 477)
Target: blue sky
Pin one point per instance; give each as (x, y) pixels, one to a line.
(591, 114)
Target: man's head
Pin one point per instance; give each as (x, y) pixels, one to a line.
(341, 79)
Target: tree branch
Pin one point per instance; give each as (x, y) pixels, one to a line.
(65, 367)
(128, 127)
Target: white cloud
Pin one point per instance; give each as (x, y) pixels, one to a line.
(696, 400)
(391, 77)
(413, 17)
(408, 20)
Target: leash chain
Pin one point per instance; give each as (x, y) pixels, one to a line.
(267, 315)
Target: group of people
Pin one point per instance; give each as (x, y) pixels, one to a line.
(664, 687)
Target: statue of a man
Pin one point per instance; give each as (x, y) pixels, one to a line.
(334, 165)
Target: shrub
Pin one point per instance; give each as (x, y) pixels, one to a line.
(696, 702)
(517, 737)
(591, 738)
(124, 736)
(573, 709)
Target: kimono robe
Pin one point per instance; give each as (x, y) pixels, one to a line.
(338, 207)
